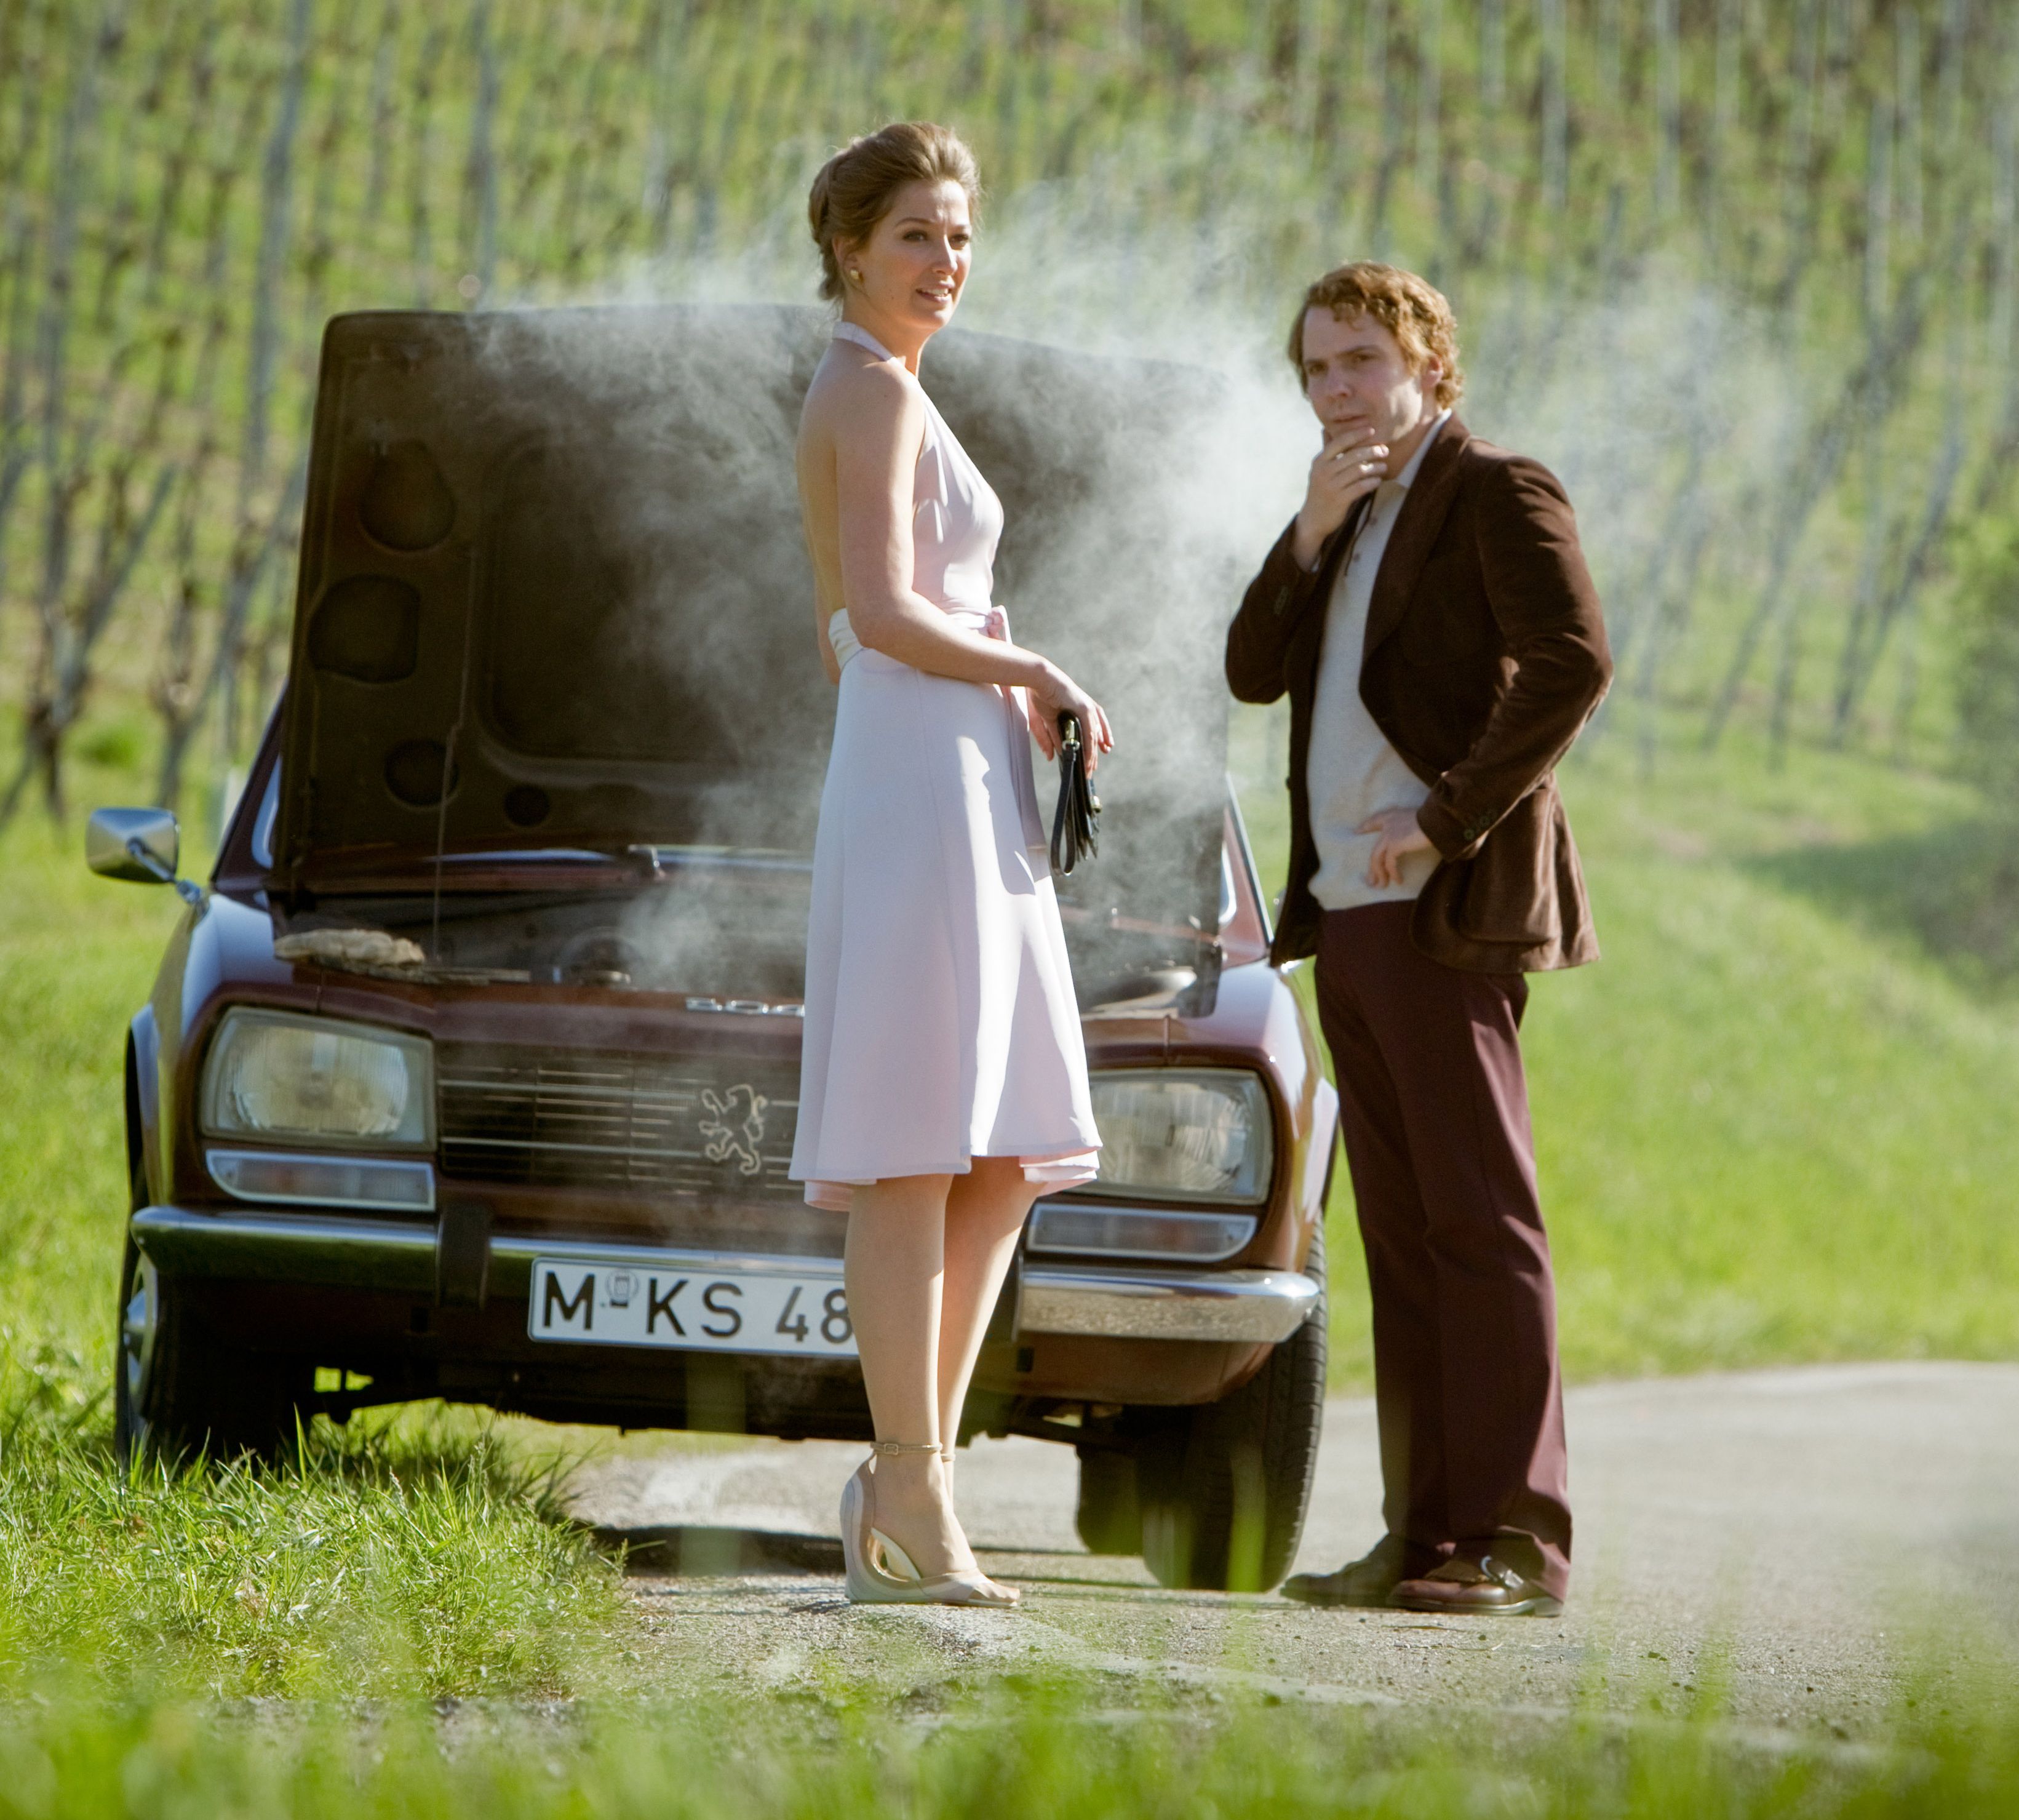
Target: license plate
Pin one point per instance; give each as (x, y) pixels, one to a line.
(692, 1307)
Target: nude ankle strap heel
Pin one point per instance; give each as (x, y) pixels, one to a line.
(878, 1570)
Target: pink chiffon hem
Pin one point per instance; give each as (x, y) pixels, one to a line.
(1051, 1173)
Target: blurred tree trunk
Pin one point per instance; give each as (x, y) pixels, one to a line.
(480, 169)
(420, 168)
(1492, 55)
(1725, 139)
(1907, 92)
(1610, 55)
(1797, 217)
(66, 447)
(1556, 109)
(1309, 74)
(17, 271)
(184, 705)
(384, 57)
(277, 197)
(1429, 94)
(1668, 110)
(196, 77)
(667, 42)
(73, 620)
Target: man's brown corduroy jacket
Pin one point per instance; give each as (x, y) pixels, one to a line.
(1485, 654)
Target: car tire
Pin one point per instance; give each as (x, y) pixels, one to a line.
(1110, 1518)
(177, 1392)
(1223, 1488)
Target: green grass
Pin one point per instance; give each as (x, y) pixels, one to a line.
(77, 959)
(422, 1562)
(1773, 1125)
(1775, 1122)
(1771, 1130)
(419, 1554)
(1038, 1750)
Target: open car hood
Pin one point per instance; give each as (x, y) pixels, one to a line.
(553, 596)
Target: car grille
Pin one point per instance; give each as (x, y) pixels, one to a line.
(716, 1129)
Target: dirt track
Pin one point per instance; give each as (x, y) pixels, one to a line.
(1800, 1536)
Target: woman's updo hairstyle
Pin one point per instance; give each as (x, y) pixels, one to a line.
(856, 187)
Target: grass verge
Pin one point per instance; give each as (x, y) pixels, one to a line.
(420, 1558)
(1033, 1750)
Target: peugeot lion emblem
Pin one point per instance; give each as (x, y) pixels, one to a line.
(728, 1136)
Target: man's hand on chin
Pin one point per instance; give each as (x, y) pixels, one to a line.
(1400, 837)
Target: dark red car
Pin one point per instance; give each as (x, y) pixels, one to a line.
(472, 1072)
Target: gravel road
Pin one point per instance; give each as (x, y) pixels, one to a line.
(1803, 1549)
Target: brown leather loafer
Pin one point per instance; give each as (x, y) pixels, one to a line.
(1368, 1581)
(1486, 1586)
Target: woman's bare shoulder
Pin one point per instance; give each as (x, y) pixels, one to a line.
(854, 396)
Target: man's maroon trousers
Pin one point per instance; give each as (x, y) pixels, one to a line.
(1434, 1112)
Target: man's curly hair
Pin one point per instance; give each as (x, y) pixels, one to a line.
(1417, 313)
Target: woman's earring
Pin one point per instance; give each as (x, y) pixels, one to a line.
(855, 271)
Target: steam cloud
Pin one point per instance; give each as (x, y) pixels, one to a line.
(1663, 412)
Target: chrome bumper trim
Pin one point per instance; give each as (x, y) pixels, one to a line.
(1249, 1306)
(290, 1248)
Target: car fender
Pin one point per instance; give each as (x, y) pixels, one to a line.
(1318, 1158)
(143, 1096)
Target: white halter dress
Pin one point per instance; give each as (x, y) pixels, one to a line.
(941, 1021)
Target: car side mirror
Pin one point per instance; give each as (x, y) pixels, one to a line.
(143, 845)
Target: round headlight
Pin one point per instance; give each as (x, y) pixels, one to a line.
(1200, 1135)
(272, 1074)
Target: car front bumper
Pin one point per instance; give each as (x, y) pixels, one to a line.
(1129, 1301)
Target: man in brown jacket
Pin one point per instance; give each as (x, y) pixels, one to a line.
(1429, 616)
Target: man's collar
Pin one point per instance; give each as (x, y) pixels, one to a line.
(1408, 473)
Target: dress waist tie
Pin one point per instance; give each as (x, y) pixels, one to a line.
(992, 622)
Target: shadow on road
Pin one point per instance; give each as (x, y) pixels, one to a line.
(703, 1548)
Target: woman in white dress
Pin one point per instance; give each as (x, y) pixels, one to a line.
(944, 1087)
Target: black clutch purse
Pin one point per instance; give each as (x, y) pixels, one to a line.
(1074, 837)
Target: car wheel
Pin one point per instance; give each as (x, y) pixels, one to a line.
(139, 1304)
(177, 1392)
(1110, 1519)
(1224, 1488)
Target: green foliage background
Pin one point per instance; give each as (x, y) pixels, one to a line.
(1771, 241)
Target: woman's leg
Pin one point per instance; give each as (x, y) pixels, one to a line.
(896, 1261)
(985, 1210)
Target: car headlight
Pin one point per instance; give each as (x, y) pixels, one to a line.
(1202, 1134)
(274, 1074)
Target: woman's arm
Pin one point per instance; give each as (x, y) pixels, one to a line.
(878, 428)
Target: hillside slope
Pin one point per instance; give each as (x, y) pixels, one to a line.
(1771, 1124)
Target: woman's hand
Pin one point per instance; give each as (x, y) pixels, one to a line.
(1055, 692)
